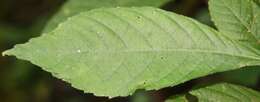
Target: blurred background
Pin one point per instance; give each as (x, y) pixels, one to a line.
(20, 81)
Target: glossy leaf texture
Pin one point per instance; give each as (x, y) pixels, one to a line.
(222, 92)
(238, 19)
(115, 51)
(73, 7)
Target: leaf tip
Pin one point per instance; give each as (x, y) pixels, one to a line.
(7, 53)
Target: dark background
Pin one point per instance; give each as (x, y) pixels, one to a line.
(21, 81)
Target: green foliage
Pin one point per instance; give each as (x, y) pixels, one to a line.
(221, 92)
(227, 92)
(146, 49)
(116, 51)
(237, 19)
(73, 7)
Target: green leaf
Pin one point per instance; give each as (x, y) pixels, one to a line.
(180, 98)
(222, 92)
(226, 93)
(115, 51)
(238, 19)
(73, 7)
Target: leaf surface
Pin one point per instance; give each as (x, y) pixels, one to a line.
(226, 92)
(222, 92)
(115, 51)
(238, 19)
(73, 7)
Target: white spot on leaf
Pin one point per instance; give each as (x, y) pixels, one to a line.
(79, 51)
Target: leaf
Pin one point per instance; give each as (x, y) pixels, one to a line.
(180, 98)
(222, 92)
(237, 19)
(73, 7)
(226, 92)
(115, 51)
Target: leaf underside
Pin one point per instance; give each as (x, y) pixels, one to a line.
(115, 51)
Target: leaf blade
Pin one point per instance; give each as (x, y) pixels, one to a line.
(226, 92)
(73, 7)
(241, 17)
(113, 52)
